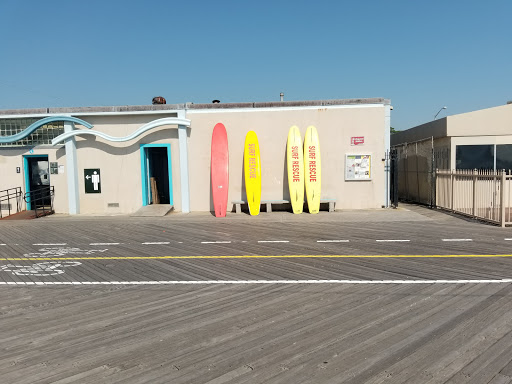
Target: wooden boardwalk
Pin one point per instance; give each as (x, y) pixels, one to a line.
(458, 331)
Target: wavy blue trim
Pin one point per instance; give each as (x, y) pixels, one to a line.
(38, 124)
(138, 132)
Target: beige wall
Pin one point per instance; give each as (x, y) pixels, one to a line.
(120, 163)
(335, 128)
(485, 122)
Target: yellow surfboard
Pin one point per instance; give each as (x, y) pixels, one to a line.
(252, 172)
(312, 169)
(295, 162)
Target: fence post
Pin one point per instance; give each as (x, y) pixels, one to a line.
(502, 199)
(436, 188)
(451, 189)
(475, 176)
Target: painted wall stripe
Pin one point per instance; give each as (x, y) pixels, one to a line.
(211, 282)
(250, 257)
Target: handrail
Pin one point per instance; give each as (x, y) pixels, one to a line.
(43, 195)
(8, 194)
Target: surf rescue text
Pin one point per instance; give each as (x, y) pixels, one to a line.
(252, 161)
(312, 163)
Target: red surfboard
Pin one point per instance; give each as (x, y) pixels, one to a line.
(220, 169)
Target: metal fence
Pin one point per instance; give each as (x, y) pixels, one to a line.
(417, 162)
(483, 194)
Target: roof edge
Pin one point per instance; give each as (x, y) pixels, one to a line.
(174, 107)
(284, 104)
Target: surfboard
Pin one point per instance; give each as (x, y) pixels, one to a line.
(220, 170)
(252, 172)
(295, 163)
(312, 169)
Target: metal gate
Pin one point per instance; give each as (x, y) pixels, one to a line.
(415, 173)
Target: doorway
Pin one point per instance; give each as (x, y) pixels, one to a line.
(156, 174)
(37, 181)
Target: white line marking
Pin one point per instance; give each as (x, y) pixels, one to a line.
(332, 241)
(505, 239)
(6, 244)
(273, 241)
(104, 243)
(457, 239)
(215, 242)
(50, 244)
(156, 242)
(395, 241)
(206, 282)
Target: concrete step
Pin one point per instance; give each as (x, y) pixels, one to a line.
(154, 210)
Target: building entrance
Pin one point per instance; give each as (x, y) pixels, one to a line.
(156, 169)
(37, 181)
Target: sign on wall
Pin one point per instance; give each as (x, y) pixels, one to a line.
(92, 180)
(54, 166)
(358, 167)
(357, 140)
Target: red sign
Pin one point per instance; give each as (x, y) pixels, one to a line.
(357, 140)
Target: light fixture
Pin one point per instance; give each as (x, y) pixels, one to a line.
(439, 112)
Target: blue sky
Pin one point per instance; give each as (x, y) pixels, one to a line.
(421, 55)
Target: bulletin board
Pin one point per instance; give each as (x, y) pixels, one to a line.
(358, 167)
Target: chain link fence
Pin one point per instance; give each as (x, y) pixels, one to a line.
(417, 163)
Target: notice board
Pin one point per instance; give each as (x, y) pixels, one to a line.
(358, 167)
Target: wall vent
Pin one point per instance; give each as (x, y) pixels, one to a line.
(6, 206)
(113, 205)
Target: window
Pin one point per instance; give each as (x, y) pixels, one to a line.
(41, 136)
(504, 157)
(474, 157)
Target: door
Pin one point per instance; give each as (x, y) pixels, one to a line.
(37, 181)
(156, 174)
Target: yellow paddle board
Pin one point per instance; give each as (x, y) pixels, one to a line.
(295, 162)
(252, 172)
(312, 169)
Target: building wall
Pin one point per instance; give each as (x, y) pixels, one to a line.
(11, 158)
(335, 128)
(436, 129)
(495, 121)
(120, 163)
